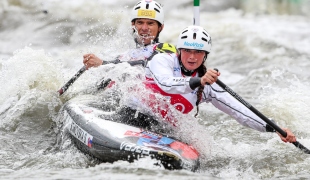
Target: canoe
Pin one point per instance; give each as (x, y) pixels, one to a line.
(95, 132)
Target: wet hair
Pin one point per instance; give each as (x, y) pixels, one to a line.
(201, 71)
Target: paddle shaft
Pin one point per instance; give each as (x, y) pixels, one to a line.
(71, 81)
(255, 111)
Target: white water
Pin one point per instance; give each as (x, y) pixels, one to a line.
(262, 56)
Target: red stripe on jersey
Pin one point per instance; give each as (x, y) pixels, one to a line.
(177, 100)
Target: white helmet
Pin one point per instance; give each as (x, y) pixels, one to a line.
(148, 9)
(195, 37)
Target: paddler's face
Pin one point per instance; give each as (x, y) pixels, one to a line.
(192, 59)
(147, 29)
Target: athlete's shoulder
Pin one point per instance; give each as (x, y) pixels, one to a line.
(165, 48)
(165, 56)
(164, 59)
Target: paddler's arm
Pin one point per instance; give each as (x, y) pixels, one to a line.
(132, 63)
(91, 60)
(231, 106)
(209, 77)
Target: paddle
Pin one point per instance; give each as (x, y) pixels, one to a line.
(255, 111)
(71, 81)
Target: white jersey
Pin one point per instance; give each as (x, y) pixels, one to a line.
(163, 75)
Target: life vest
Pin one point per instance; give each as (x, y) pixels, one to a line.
(163, 48)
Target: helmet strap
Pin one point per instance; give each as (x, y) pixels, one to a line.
(185, 71)
(156, 39)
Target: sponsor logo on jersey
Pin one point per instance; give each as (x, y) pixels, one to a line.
(179, 107)
(194, 92)
(177, 79)
(176, 69)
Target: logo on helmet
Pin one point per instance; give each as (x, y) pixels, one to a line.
(146, 13)
(194, 44)
(195, 29)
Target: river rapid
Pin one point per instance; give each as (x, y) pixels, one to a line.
(262, 54)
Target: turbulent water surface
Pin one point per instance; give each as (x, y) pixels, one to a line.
(262, 54)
